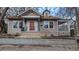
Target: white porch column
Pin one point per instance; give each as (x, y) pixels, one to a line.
(68, 24)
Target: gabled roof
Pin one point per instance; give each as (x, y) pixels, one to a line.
(45, 11)
(28, 12)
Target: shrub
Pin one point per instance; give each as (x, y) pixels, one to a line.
(45, 36)
(51, 35)
(72, 32)
(17, 34)
(10, 35)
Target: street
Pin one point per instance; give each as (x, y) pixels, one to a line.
(18, 44)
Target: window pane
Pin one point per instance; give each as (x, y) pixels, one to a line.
(20, 25)
(15, 24)
(51, 24)
(45, 24)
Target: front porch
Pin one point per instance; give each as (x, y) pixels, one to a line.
(30, 24)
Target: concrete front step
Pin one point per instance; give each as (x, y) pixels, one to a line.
(31, 33)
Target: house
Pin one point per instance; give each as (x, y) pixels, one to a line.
(32, 24)
(64, 29)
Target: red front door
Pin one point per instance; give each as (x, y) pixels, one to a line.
(32, 25)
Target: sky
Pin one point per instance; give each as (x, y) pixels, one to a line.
(54, 11)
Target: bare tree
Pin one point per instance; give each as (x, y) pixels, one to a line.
(3, 11)
(63, 12)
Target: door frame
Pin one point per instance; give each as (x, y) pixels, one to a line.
(35, 24)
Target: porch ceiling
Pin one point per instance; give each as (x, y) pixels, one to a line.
(31, 16)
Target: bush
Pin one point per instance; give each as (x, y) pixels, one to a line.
(20, 46)
(51, 35)
(45, 36)
(10, 35)
(72, 32)
(17, 34)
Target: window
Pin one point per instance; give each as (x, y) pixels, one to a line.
(15, 24)
(45, 24)
(48, 24)
(46, 14)
(51, 25)
(20, 25)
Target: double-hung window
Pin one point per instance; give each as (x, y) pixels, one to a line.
(51, 25)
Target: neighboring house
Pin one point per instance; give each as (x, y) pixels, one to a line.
(31, 23)
(64, 30)
(73, 25)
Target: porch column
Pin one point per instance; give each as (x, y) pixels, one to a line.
(38, 24)
(68, 26)
(24, 25)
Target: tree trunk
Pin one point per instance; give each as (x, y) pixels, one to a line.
(3, 14)
(77, 18)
